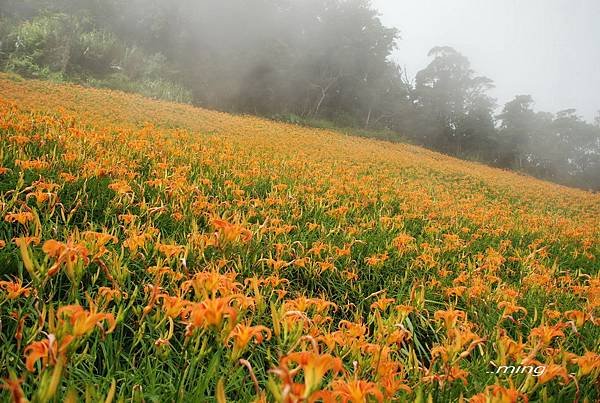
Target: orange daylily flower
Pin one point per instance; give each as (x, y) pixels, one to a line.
(14, 289)
(48, 350)
(402, 242)
(26, 241)
(77, 321)
(356, 391)
(303, 304)
(228, 233)
(32, 164)
(170, 250)
(588, 363)
(211, 312)
(544, 334)
(110, 294)
(377, 259)
(68, 254)
(553, 371)
(509, 348)
(134, 242)
(173, 306)
(22, 217)
(314, 367)
(454, 373)
(243, 334)
(450, 317)
(127, 218)
(67, 177)
(577, 317)
(13, 386)
(499, 394)
(510, 308)
(382, 303)
(212, 283)
(121, 187)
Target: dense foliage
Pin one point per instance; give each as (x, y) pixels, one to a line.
(302, 61)
(152, 251)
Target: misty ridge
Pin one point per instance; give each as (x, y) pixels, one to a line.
(320, 63)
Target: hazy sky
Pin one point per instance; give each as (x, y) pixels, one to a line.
(547, 48)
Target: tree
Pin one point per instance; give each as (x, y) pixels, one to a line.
(453, 101)
(577, 144)
(517, 123)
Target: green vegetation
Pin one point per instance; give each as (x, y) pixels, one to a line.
(200, 256)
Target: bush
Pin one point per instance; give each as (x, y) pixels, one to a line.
(163, 89)
(41, 46)
(98, 52)
(157, 88)
(62, 47)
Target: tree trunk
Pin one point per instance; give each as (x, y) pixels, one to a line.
(323, 94)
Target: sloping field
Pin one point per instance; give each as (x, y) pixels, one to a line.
(152, 251)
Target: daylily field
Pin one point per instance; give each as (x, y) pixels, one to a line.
(156, 252)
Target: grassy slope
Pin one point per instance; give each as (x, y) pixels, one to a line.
(480, 236)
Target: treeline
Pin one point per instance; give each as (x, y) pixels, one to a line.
(298, 60)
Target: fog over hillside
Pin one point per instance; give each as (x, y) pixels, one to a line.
(510, 84)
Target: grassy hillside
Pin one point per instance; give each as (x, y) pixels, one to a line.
(152, 251)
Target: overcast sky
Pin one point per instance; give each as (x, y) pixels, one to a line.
(547, 48)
